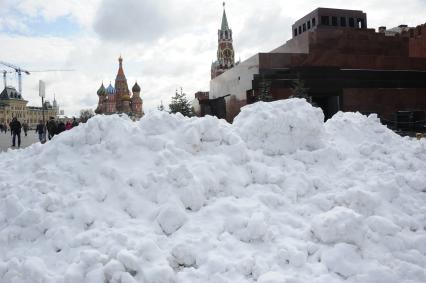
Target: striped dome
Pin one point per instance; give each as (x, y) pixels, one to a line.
(101, 90)
(110, 90)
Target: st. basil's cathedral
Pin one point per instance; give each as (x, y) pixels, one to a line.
(117, 99)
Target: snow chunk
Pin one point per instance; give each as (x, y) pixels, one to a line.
(291, 255)
(281, 127)
(382, 225)
(184, 255)
(171, 218)
(271, 277)
(342, 259)
(113, 268)
(11, 207)
(160, 274)
(340, 224)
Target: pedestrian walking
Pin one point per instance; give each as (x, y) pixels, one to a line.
(41, 131)
(52, 128)
(61, 127)
(15, 128)
(74, 122)
(68, 125)
(25, 127)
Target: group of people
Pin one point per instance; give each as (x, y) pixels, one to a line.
(4, 128)
(51, 128)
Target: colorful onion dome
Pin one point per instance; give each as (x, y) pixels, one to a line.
(110, 90)
(101, 90)
(136, 88)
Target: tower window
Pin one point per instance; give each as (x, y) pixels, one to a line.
(309, 25)
(325, 20)
(295, 32)
(342, 21)
(351, 22)
(300, 29)
(304, 27)
(314, 23)
(334, 21)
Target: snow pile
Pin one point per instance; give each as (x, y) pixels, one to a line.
(277, 197)
(297, 121)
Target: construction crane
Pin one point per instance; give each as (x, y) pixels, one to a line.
(19, 70)
(4, 76)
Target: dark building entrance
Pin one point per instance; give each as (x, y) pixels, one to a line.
(328, 104)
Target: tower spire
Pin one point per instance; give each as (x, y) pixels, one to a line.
(120, 66)
(224, 19)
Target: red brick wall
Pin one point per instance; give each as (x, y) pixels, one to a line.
(384, 102)
(418, 42)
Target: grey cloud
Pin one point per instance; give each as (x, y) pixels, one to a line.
(144, 21)
(265, 29)
(131, 20)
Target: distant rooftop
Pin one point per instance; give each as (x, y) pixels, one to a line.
(329, 17)
(10, 92)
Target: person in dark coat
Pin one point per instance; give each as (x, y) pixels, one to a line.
(74, 122)
(15, 128)
(40, 130)
(25, 127)
(52, 128)
(61, 127)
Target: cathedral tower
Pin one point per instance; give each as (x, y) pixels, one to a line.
(121, 87)
(225, 50)
(137, 102)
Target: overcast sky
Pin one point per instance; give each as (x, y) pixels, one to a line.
(165, 44)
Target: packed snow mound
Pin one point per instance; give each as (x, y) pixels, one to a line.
(174, 199)
(282, 129)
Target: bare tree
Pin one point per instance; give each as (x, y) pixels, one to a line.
(86, 114)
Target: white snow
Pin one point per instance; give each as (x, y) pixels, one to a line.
(277, 197)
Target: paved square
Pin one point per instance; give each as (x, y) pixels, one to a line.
(6, 140)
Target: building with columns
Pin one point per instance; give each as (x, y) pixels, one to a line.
(12, 104)
(118, 99)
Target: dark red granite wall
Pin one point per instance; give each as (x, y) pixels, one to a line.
(385, 102)
(417, 42)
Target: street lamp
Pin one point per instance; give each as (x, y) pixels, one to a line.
(42, 93)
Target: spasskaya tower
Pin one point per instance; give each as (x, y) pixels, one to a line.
(225, 51)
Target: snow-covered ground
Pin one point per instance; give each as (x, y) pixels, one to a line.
(279, 196)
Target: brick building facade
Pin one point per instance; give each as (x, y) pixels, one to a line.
(344, 65)
(12, 105)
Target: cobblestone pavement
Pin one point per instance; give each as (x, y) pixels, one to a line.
(6, 140)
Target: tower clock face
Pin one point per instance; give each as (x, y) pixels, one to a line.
(227, 53)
